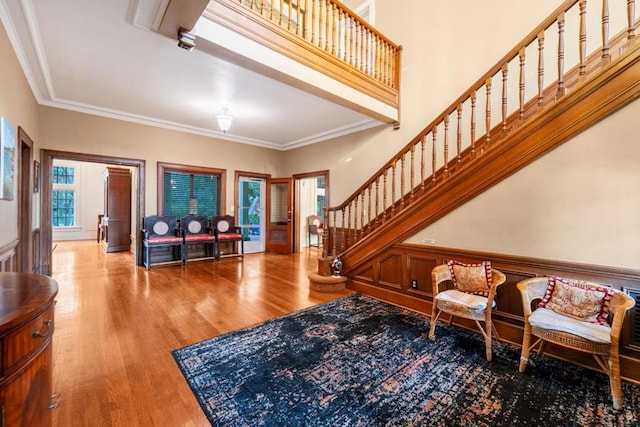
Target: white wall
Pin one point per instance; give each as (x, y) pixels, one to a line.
(89, 202)
(579, 203)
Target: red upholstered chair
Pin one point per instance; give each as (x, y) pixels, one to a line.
(225, 231)
(199, 241)
(162, 241)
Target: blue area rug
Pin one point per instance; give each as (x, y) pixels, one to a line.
(357, 361)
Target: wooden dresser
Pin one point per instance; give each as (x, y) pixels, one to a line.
(26, 330)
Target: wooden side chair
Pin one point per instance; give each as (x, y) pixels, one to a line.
(314, 228)
(199, 240)
(472, 296)
(226, 232)
(579, 315)
(162, 241)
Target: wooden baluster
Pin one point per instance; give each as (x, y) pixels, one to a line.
(387, 64)
(334, 41)
(473, 123)
(320, 24)
(393, 187)
(342, 233)
(561, 90)
(541, 69)
(446, 145)
(327, 18)
(402, 187)
(349, 242)
(413, 172)
(355, 219)
(487, 121)
(376, 56)
(459, 134)
(352, 46)
(434, 136)
(631, 21)
(290, 15)
(335, 234)
(305, 25)
(358, 43)
(312, 20)
(583, 37)
(369, 53)
(606, 56)
(384, 195)
(281, 12)
(362, 211)
(271, 11)
(300, 18)
(505, 73)
(521, 54)
(363, 44)
(377, 200)
(423, 168)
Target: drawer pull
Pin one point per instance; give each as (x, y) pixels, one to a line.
(45, 333)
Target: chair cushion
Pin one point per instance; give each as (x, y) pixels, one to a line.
(471, 278)
(229, 236)
(545, 318)
(164, 239)
(199, 237)
(584, 301)
(465, 299)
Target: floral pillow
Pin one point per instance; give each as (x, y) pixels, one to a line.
(584, 301)
(471, 278)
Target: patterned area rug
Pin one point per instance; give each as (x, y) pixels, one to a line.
(357, 361)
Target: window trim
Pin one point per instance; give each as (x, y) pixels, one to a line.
(200, 170)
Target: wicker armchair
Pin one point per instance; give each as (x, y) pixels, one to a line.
(550, 326)
(457, 304)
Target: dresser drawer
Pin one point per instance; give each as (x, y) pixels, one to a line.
(33, 335)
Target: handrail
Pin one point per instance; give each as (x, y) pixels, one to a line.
(387, 193)
(334, 28)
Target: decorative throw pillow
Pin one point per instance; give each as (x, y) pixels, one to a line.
(584, 301)
(471, 278)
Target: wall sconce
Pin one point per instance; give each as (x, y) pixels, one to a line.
(224, 120)
(186, 40)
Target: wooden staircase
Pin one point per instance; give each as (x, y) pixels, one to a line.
(402, 198)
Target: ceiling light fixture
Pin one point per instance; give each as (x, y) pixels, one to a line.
(224, 120)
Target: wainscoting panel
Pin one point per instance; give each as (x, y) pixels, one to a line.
(390, 270)
(389, 277)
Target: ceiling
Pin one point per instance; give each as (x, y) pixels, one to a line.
(106, 58)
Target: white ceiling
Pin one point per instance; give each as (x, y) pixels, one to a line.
(104, 57)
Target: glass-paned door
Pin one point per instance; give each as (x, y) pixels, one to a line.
(251, 212)
(279, 215)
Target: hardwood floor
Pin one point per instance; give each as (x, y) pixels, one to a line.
(116, 325)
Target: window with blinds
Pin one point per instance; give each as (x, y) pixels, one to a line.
(196, 191)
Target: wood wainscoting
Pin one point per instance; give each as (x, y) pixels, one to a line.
(8, 257)
(389, 277)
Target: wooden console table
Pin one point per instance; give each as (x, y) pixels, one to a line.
(26, 330)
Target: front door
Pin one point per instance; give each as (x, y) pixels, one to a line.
(279, 215)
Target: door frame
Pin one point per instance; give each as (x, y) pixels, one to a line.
(236, 196)
(288, 247)
(25, 208)
(300, 221)
(46, 203)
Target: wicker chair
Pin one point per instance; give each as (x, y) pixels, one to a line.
(605, 349)
(457, 304)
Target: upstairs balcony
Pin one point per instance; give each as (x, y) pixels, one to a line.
(319, 46)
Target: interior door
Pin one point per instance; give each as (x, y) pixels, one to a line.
(279, 215)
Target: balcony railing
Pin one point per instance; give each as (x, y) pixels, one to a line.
(323, 34)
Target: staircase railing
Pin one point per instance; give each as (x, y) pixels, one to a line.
(469, 127)
(329, 28)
